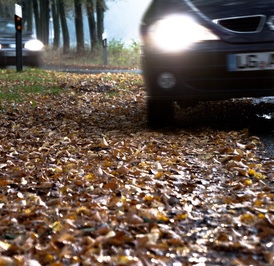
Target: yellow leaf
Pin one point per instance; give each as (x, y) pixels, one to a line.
(27, 211)
(148, 198)
(258, 203)
(159, 175)
(260, 176)
(82, 210)
(255, 174)
(248, 182)
(56, 227)
(49, 258)
(58, 170)
(181, 216)
(90, 177)
(251, 172)
(4, 246)
(69, 166)
(247, 218)
(162, 217)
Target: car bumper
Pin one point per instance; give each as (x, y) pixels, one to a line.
(29, 58)
(201, 73)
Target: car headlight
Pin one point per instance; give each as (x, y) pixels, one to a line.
(34, 45)
(177, 32)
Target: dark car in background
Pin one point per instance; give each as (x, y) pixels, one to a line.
(32, 48)
(200, 50)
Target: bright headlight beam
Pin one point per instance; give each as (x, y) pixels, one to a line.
(177, 32)
(34, 45)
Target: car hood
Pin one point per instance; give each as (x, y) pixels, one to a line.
(215, 9)
(210, 11)
(207, 12)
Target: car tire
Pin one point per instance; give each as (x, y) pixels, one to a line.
(160, 113)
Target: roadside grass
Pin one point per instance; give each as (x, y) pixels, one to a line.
(31, 82)
(120, 56)
(17, 86)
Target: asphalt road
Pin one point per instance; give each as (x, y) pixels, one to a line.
(91, 71)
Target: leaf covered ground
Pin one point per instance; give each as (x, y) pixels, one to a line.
(85, 182)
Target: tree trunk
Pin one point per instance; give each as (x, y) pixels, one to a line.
(27, 14)
(100, 9)
(41, 15)
(56, 23)
(6, 10)
(64, 25)
(79, 26)
(44, 16)
(2, 9)
(36, 18)
(91, 23)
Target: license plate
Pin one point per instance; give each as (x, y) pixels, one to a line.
(251, 61)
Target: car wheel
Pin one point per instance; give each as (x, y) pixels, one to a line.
(160, 113)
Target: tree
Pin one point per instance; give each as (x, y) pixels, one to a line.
(6, 9)
(56, 23)
(91, 22)
(40, 10)
(27, 14)
(64, 25)
(41, 15)
(79, 26)
(100, 10)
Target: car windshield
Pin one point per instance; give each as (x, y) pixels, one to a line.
(7, 28)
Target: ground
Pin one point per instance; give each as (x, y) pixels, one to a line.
(85, 182)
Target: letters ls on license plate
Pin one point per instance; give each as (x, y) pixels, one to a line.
(251, 61)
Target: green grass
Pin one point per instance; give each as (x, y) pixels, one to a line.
(17, 86)
(29, 74)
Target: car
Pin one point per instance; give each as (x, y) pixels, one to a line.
(32, 49)
(204, 50)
